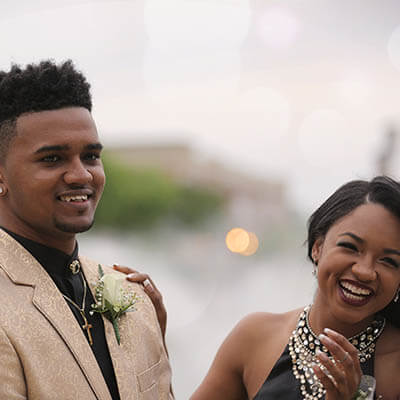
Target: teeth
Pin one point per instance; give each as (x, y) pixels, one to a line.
(82, 197)
(352, 296)
(355, 290)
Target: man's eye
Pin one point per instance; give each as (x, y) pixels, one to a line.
(92, 156)
(50, 159)
(348, 245)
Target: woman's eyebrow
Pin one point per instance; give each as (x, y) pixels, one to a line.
(355, 237)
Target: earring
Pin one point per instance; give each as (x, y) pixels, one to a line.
(315, 269)
(1, 190)
(396, 298)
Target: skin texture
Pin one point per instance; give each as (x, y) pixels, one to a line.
(248, 354)
(54, 153)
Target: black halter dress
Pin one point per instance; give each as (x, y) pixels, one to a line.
(281, 384)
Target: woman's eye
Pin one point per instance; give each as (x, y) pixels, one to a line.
(348, 245)
(391, 261)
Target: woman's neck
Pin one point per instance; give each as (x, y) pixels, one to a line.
(321, 316)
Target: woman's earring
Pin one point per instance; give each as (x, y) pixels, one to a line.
(1, 190)
(396, 298)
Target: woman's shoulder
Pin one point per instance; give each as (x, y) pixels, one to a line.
(260, 325)
(387, 363)
(389, 344)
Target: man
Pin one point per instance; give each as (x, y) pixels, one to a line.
(51, 179)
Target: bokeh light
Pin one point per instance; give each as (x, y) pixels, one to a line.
(252, 246)
(240, 241)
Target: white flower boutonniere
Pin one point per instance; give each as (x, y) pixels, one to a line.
(112, 299)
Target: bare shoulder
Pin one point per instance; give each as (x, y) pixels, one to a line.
(387, 363)
(240, 353)
(389, 344)
(259, 331)
(262, 324)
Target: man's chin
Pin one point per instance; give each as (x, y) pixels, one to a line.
(69, 227)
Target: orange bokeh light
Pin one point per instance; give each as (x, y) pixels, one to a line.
(238, 240)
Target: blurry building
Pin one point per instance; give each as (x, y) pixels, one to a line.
(251, 201)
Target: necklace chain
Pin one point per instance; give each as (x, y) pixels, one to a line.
(86, 326)
(304, 343)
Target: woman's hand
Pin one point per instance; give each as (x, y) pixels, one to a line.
(342, 376)
(151, 290)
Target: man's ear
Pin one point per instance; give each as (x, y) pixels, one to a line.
(3, 186)
(317, 249)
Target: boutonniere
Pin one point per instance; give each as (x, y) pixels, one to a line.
(112, 300)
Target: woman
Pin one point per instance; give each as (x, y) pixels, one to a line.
(354, 244)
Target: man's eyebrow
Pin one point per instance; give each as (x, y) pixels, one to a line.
(45, 149)
(355, 237)
(94, 146)
(64, 147)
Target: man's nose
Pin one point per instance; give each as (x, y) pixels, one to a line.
(77, 172)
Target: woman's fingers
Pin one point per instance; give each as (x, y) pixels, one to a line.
(341, 374)
(345, 349)
(151, 290)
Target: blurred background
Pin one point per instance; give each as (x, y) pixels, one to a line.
(226, 123)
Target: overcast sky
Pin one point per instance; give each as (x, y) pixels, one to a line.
(301, 91)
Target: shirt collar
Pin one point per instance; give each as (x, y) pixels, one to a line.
(54, 261)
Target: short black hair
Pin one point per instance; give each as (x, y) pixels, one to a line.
(380, 190)
(38, 87)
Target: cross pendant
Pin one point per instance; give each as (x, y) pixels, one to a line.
(87, 327)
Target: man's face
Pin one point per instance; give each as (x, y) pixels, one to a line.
(53, 176)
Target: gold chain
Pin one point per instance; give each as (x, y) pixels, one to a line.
(86, 326)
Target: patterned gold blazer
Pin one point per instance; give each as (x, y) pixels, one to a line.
(44, 354)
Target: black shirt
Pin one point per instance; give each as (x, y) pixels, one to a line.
(56, 263)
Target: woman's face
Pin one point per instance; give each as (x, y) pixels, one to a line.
(359, 263)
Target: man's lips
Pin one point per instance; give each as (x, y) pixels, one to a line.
(76, 196)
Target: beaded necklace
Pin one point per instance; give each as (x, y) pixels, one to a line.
(304, 343)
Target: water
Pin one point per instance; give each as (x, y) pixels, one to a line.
(206, 289)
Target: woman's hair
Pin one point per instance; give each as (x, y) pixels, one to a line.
(380, 190)
(38, 87)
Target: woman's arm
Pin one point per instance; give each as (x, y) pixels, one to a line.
(225, 379)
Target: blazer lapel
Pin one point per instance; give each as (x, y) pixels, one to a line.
(121, 362)
(23, 269)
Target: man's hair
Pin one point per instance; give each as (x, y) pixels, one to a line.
(38, 87)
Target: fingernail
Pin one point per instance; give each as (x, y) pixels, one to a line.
(147, 284)
(321, 336)
(327, 330)
(131, 275)
(318, 352)
(115, 265)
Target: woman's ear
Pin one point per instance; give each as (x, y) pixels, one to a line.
(317, 249)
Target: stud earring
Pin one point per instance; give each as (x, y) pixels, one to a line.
(396, 298)
(1, 190)
(315, 269)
